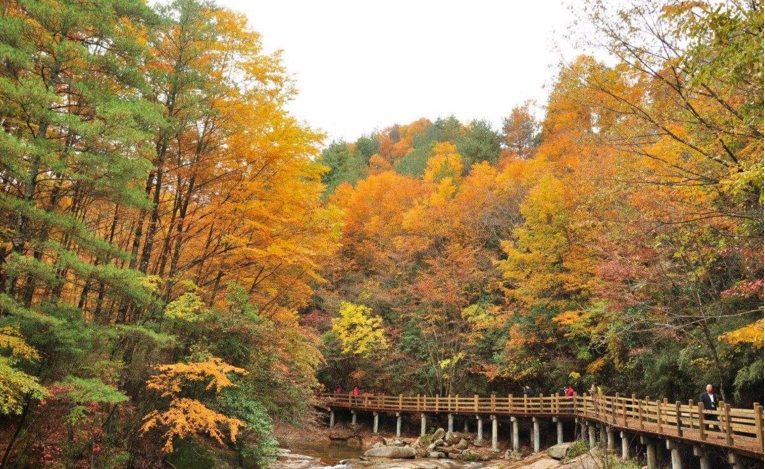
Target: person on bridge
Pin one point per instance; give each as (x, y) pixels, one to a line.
(355, 393)
(710, 401)
(339, 390)
(569, 391)
(528, 392)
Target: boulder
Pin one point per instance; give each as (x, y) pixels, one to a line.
(436, 455)
(393, 452)
(478, 443)
(559, 451)
(462, 444)
(546, 463)
(439, 442)
(451, 439)
(438, 434)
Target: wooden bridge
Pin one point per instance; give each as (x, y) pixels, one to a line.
(738, 431)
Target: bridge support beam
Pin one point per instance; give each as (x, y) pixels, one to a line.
(675, 457)
(591, 434)
(583, 429)
(423, 424)
(494, 432)
(376, 422)
(650, 452)
(603, 435)
(450, 419)
(398, 423)
(466, 428)
(535, 433)
(480, 428)
(704, 460)
(735, 461)
(353, 418)
(331, 418)
(611, 438)
(559, 428)
(516, 441)
(625, 446)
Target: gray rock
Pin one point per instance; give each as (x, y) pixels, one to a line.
(451, 439)
(439, 442)
(478, 443)
(463, 444)
(438, 434)
(394, 452)
(436, 455)
(559, 451)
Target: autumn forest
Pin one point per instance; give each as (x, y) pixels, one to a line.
(184, 264)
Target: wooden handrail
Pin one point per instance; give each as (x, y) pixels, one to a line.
(729, 427)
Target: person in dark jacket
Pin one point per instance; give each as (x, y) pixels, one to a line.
(710, 401)
(528, 392)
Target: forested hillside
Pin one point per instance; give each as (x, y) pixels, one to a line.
(617, 242)
(184, 263)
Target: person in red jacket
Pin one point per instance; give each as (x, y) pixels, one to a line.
(569, 391)
(355, 394)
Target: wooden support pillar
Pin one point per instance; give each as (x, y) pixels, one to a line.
(535, 433)
(423, 424)
(583, 429)
(353, 418)
(398, 423)
(705, 461)
(625, 446)
(675, 456)
(480, 428)
(466, 428)
(559, 429)
(375, 424)
(650, 452)
(591, 432)
(450, 419)
(331, 418)
(516, 440)
(603, 435)
(494, 431)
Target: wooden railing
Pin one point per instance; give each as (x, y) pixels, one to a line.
(734, 428)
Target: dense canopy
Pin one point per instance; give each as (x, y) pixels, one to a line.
(183, 263)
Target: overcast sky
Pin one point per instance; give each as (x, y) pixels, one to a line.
(365, 65)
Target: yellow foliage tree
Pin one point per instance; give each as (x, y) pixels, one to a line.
(187, 417)
(360, 332)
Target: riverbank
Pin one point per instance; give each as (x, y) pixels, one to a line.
(344, 448)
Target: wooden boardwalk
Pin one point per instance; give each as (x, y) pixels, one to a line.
(735, 429)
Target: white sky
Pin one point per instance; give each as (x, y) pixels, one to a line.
(364, 65)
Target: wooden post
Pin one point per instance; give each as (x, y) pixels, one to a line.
(702, 435)
(400, 401)
(475, 402)
(679, 422)
(690, 412)
(658, 414)
(728, 426)
(624, 412)
(758, 423)
(525, 404)
(640, 413)
(456, 402)
(615, 408)
(493, 403)
(437, 398)
(510, 403)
